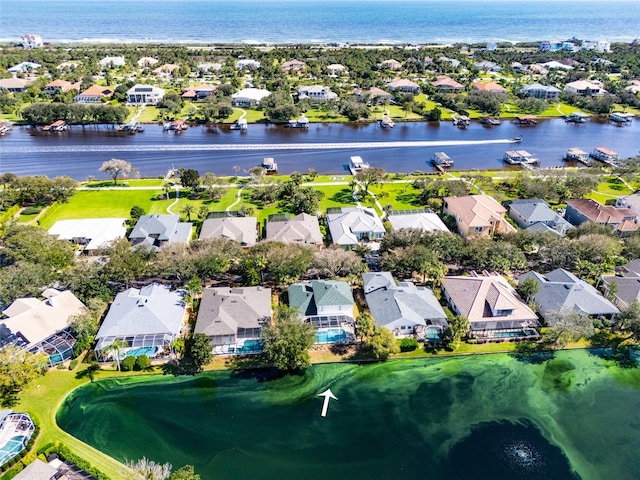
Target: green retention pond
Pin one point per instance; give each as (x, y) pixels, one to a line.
(567, 415)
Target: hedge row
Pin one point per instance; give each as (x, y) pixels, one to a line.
(65, 454)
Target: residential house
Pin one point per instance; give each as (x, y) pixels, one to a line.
(403, 85)
(144, 95)
(31, 40)
(583, 210)
(14, 84)
(489, 87)
(42, 326)
(403, 308)
(112, 62)
(93, 94)
(24, 67)
(452, 61)
(492, 306)
(599, 45)
(336, 69)
(146, 62)
(390, 64)
(477, 215)
(555, 65)
(248, 64)
(249, 97)
(155, 231)
(561, 291)
(537, 69)
(488, 66)
(443, 82)
(543, 92)
(632, 202)
(424, 220)
(303, 229)
(351, 225)
(293, 66)
(374, 94)
(198, 92)
(166, 71)
(324, 303)
(90, 234)
(243, 230)
(144, 321)
(38, 470)
(60, 86)
(69, 66)
(585, 87)
(233, 318)
(624, 287)
(551, 46)
(209, 67)
(317, 93)
(536, 215)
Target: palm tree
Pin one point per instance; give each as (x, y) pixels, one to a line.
(115, 346)
(188, 210)
(167, 189)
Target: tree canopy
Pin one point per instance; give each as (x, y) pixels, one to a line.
(287, 339)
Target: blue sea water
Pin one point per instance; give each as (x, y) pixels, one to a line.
(318, 21)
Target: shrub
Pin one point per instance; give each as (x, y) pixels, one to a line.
(128, 363)
(142, 362)
(31, 211)
(73, 364)
(408, 344)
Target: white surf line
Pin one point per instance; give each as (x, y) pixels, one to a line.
(249, 146)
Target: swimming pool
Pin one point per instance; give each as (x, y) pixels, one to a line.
(331, 335)
(250, 346)
(136, 352)
(516, 334)
(12, 448)
(433, 334)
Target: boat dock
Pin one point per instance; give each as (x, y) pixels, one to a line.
(527, 120)
(605, 155)
(241, 125)
(356, 164)
(441, 159)
(489, 121)
(175, 126)
(269, 165)
(302, 122)
(386, 122)
(576, 117)
(462, 121)
(575, 154)
(621, 118)
(57, 126)
(131, 127)
(5, 127)
(519, 157)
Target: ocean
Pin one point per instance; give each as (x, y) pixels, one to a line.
(318, 21)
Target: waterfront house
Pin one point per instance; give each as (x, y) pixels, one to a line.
(146, 62)
(561, 290)
(403, 85)
(93, 94)
(492, 306)
(624, 287)
(352, 225)
(14, 84)
(581, 210)
(60, 86)
(243, 230)
(143, 321)
(373, 94)
(489, 87)
(303, 229)
(390, 64)
(443, 82)
(248, 64)
(424, 220)
(249, 97)
(598, 45)
(405, 309)
(144, 95)
(632, 202)
(233, 318)
(112, 62)
(24, 67)
(31, 40)
(293, 66)
(551, 46)
(477, 215)
(42, 326)
(323, 303)
(543, 92)
(198, 92)
(317, 93)
(155, 231)
(585, 88)
(536, 215)
(90, 234)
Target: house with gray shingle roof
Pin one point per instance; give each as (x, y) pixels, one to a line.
(404, 308)
(494, 309)
(562, 290)
(147, 320)
(240, 229)
(355, 224)
(627, 284)
(303, 228)
(323, 302)
(536, 215)
(154, 231)
(233, 318)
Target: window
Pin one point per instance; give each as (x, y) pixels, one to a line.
(479, 229)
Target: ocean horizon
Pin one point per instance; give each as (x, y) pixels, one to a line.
(318, 21)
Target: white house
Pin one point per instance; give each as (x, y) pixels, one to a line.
(112, 61)
(24, 67)
(422, 220)
(599, 45)
(90, 233)
(249, 97)
(585, 87)
(31, 40)
(248, 63)
(144, 94)
(355, 224)
(317, 93)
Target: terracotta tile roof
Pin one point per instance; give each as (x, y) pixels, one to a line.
(442, 81)
(489, 87)
(477, 211)
(624, 218)
(97, 90)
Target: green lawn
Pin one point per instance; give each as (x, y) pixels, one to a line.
(402, 196)
(609, 189)
(335, 196)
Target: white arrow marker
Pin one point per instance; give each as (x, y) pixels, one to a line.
(327, 397)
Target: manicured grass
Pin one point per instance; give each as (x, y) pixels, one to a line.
(401, 196)
(335, 196)
(27, 218)
(316, 115)
(252, 116)
(42, 398)
(609, 189)
(149, 115)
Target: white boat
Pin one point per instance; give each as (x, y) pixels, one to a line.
(386, 122)
(240, 125)
(357, 164)
(269, 165)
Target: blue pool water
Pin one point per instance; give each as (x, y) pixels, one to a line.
(11, 448)
(250, 346)
(136, 352)
(331, 335)
(433, 333)
(519, 333)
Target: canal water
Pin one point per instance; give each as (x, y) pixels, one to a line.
(325, 147)
(490, 417)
